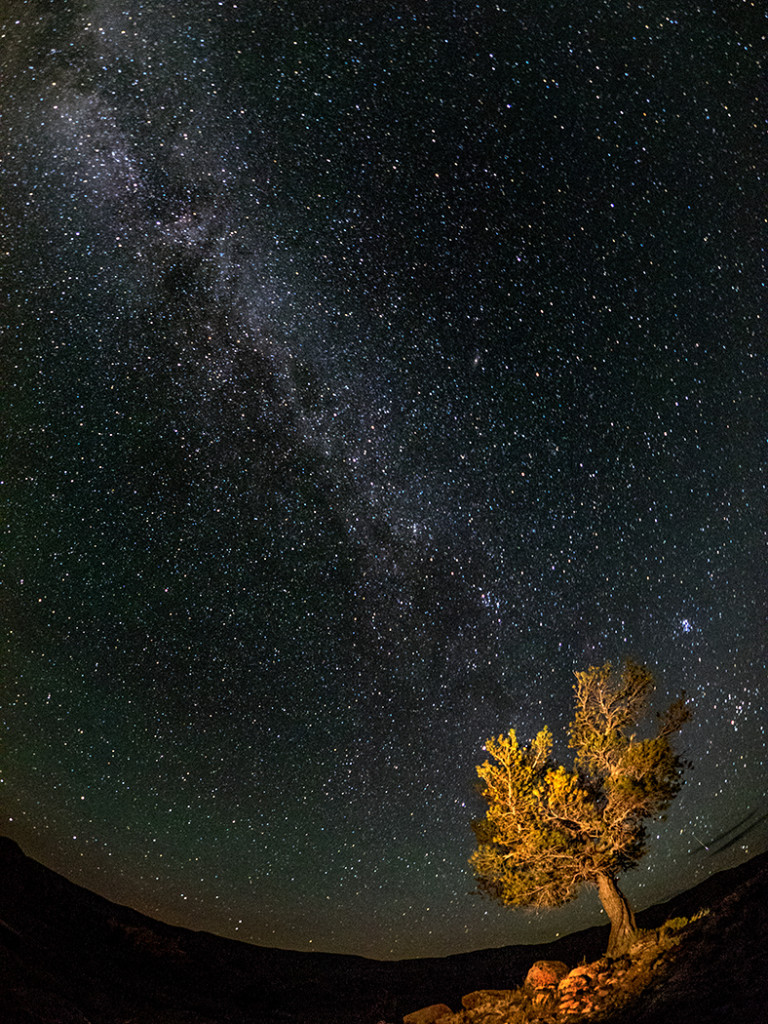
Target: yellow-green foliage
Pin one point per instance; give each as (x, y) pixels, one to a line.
(549, 828)
(676, 924)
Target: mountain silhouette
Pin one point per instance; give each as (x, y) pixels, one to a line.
(69, 956)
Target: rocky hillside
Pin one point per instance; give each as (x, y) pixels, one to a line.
(68, 956)
(711, 966)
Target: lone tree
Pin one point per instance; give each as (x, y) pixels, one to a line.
(549, 830)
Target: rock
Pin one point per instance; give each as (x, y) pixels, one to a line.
(578, 980)
(573, 986)
(546, 974)
(428, 1014)
(473, 1000)
(590, 971)
(544, 998)
(569, 1002)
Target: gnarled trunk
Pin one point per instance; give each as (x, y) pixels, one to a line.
(623, 926)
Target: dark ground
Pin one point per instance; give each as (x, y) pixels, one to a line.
(68, 956)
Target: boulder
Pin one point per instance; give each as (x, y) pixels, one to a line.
(546, 974)
(579, 979)
(590, 971)
(473, 1000)
(572, 985)
(428, 1014)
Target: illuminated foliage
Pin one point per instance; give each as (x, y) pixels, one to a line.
(548, 829)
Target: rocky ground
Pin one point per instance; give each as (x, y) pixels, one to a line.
(710, 967)
(68, 956)
(553, 993)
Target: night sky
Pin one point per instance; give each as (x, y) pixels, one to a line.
(367, 368)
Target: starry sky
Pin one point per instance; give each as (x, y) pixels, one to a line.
(368, 368)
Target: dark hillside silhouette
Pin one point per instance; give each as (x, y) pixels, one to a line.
(68, 956)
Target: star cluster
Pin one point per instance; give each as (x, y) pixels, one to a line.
(369, 369)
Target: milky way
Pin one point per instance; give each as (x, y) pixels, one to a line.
(368, 369)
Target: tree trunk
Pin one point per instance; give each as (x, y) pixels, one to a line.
(623, 926)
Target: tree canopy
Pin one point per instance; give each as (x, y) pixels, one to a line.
(548, 829)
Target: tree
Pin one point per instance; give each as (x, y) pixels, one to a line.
(550, 830)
